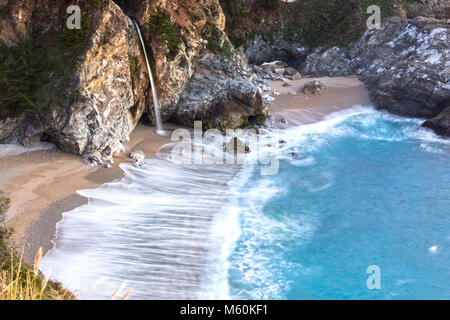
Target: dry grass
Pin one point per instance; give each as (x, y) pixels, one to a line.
(18, 282)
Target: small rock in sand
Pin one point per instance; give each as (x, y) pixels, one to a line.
(292, 73)
(313, 87)
(137, 157)
(237, 146)
(279, 71)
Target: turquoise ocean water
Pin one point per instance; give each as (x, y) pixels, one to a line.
(368, 189)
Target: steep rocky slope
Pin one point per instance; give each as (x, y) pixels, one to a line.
(88, 88)
(405, 64)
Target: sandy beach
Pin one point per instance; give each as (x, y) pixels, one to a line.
(43, 184)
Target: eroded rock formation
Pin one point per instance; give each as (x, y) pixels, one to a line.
(406, 66)
(90, 98)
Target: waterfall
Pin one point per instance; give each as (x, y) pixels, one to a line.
(159, 125)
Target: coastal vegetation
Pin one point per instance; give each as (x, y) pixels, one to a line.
(312, 23)
(165, 29)
(18, 68)
(17, 280)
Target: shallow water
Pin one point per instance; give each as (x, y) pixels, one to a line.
(368, 189)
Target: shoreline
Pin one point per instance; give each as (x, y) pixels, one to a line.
(42, 185)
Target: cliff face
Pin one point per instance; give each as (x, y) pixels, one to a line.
(88, 88)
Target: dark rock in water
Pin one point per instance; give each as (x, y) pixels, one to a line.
(237, 146)
(294, 155)
(440, 123)
(405, 65)
(313, 87)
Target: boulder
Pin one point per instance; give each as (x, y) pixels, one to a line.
(313, 87)
(137, 157)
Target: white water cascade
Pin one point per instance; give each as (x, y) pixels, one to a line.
(159, 125)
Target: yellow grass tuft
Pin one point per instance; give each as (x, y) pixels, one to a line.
(37, 262)
(18, 282)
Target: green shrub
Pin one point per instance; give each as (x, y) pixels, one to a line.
(18, 68)
(165, 29)
(214, 37)
(73, 37)
(133, 63)
(5, 233)
(314, 23)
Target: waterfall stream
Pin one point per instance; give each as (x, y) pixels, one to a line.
(159, 125)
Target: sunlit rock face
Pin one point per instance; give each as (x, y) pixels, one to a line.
(97, 87)
(199, 27)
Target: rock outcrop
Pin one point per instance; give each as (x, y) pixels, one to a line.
(406, 65)
(220, 95)
(333, 62)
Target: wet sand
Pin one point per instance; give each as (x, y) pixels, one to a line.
(299, 108)
(43, 184)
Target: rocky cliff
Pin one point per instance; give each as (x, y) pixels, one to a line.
(85, 90)
(405, 64)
